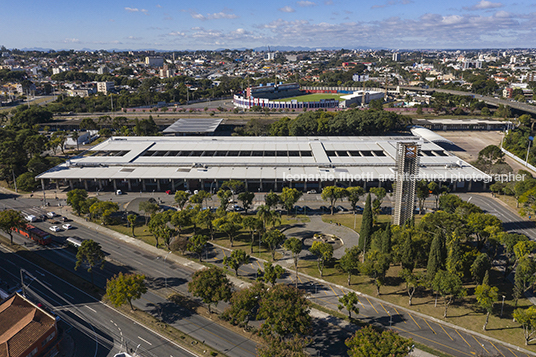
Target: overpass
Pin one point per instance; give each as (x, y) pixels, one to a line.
(486, 99)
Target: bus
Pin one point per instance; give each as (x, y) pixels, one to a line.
(38, 235)
(74, 241)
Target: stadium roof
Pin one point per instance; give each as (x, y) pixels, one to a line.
(198, 125)
(215, 158)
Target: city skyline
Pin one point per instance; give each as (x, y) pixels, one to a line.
(208, 25)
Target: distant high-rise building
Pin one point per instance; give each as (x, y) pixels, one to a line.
(396, 57)
(154, 61)
(407, 162)
(105, 87)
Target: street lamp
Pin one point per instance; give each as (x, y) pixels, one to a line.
(502, 306)
(165, 277)
(531, 138)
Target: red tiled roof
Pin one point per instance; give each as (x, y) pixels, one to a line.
(21, 325)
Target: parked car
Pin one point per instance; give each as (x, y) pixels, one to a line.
(168, 192)
(307, 209)
(358, 209)
(311, 191)
(325, 209)
(341, 208)
(54, 228)
(118, 192)
(30, 218)
(51, 214)
(66, 226)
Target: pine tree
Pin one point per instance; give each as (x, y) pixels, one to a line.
(365, 233)
(386, 240)
(454, 262)
(435, 259)
(407, 252)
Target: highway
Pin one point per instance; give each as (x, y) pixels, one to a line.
(110, 331)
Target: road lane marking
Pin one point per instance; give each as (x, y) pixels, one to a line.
(427, 339)
(398, 313)
(90, 309)
(384, 309)
(512, 352)
(463, 339)
(40, 273)
(414, 321)
(481, 344)
(47, 283)
(372, 305)
(446, 332)
(333, 291)
(69, 296)
(497, 349)
(259, 264)
(147, 342)
(430, 327)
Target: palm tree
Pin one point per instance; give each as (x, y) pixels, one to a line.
(75, 136)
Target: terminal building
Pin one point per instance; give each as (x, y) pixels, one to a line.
(160, 163)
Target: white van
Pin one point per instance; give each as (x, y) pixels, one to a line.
(51, 214)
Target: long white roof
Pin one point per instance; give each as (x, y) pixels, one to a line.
(252, 158)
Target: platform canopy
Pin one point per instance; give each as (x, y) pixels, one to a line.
(191, 126)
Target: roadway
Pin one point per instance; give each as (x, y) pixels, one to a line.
(426, 330)
(487, 99)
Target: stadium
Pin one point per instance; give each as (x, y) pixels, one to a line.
(290, 96)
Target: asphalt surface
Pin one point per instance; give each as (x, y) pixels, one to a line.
(123, 257)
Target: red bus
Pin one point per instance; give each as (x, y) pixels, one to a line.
(35, 234)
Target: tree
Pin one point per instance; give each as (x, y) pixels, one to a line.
(365, 233)
(125, 288)
(524, 276)
(158, 226)
(272, 200)
(486, 296)
(332, 194)
(436, 258)
(375, 267)
(354, 195)
(380, 194)
(273, 238)
(236, 260)
(91, 255)
(196, 245)
(271, 273)
(480, 266)
(369, 341)
(482, 224)
(449, 286)
(285, 311)
(247, 199)
(181, 219)
(349, 262)
(75, 135)
(407, 250)
(103, 210)
(76, 199)
(490, 156)
(294, 245)
(253, 224)
(527, 319)
(131, 218)
(244, 304)
(211, 285)
(148, 208)
(413, 282)
(230, 224)
(289, 197)
(10, 220)
(422, 192)
(181, 197)
(206, 217)
(26, 182)
(200, 197)
(349, 302)
(323, 252)
(224, 196)
(280, 347)
(233, 185)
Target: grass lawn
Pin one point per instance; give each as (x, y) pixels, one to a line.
(348, 219)
(313, 97)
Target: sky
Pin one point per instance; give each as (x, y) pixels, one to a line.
(219, 24)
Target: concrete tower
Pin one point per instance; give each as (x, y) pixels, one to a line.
(407, 162)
